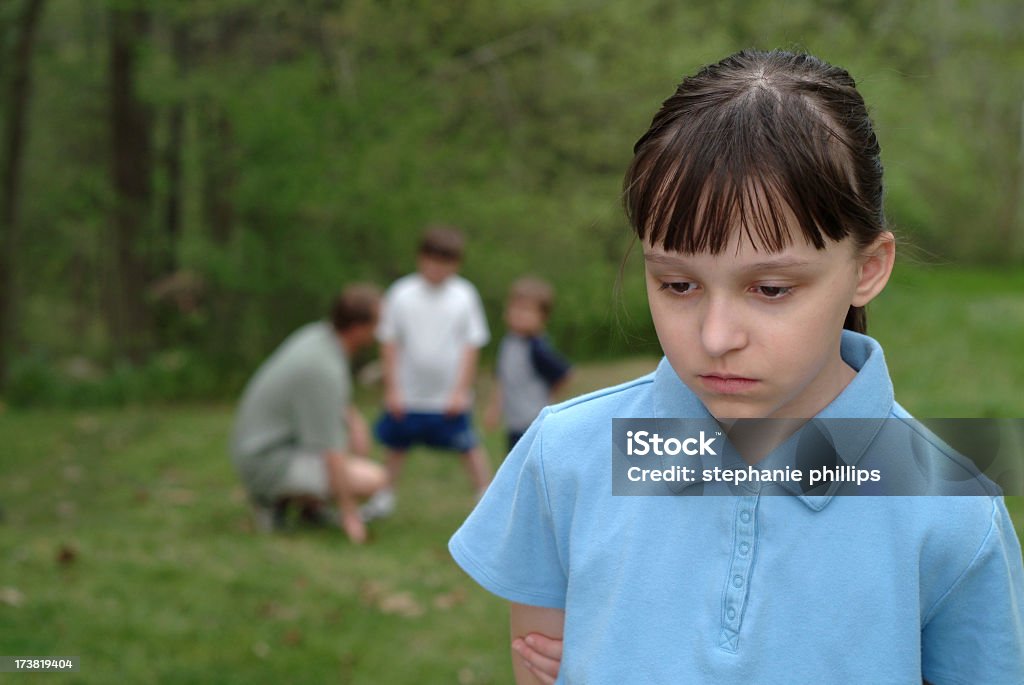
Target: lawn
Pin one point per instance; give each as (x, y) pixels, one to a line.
(126, 541)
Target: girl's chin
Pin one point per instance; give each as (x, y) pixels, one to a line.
(728, 410)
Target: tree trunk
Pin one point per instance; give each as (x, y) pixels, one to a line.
(218, 175)
(131, 136)
(15, 135)
(172, 159)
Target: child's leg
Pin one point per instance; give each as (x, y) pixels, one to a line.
(382, 503)
(395, 461)
(365, 476)
(478, 467)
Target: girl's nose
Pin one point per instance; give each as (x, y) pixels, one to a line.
(722, 328)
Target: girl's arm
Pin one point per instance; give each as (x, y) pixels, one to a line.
(529, 664)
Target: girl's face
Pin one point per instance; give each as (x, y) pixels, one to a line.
(756, 334)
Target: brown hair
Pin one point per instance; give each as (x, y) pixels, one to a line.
(534, 289)
(442, 242)
(357, 304)
(752, 140)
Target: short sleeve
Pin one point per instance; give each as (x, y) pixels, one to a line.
(477, 333)
(975, 632)
(318, 402)
(508, 544)
(551, 366)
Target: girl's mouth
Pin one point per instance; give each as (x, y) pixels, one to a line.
(727, 385)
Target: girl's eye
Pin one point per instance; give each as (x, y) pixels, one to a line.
(773, 292)
(679, 288)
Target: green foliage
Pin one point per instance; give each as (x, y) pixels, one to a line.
(319, 138)
(174, 375)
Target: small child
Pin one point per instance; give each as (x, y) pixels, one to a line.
(529, 371)
(431, 330)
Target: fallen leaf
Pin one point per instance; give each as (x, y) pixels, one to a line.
(180, 496)
(370, 591)
(87, 424)
(278, 612)
(401, 604)
(292, 637)
(11, 596)
(66, 555)
(449, 599)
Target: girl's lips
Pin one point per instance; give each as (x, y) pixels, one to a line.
(727, 385)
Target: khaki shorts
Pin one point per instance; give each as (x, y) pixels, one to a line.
(305, 476)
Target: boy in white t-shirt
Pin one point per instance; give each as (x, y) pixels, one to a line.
(431, 331)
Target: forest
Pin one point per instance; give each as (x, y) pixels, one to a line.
(186, 181)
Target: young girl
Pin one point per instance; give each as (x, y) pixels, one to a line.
(757, 197)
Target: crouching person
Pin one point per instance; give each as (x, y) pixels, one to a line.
(297, 436)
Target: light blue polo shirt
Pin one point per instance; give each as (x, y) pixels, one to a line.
(746, 589)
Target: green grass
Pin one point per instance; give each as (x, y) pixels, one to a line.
(168, 583)
(163, 580)
(953, 340)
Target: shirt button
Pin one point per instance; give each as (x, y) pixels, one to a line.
(731, 613)
(744, 547)
(737, 581)
(745, 516)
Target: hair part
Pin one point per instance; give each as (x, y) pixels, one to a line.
(534, 289)
(356, 305)
(753, 144)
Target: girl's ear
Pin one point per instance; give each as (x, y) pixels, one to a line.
(874, 268)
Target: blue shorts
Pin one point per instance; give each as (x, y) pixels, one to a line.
(434, 430)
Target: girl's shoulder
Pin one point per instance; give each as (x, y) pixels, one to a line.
(617, 401)
(567, 438)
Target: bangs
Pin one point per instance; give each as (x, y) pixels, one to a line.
(757, 159)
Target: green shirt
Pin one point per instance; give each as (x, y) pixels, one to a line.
(295, 402)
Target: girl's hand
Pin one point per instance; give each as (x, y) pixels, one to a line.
(541, 654)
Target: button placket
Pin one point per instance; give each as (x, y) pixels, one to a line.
(738, 579)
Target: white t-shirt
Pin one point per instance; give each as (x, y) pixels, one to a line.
(431, 325)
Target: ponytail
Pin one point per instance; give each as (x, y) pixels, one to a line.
(856, 320)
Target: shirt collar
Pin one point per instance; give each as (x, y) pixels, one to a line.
(328, 330)
(868, 396)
